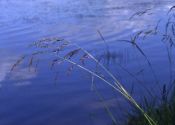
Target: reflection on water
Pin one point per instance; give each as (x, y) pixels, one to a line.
(30, 96)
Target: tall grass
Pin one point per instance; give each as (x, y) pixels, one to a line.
(58, 47)
(115, 84)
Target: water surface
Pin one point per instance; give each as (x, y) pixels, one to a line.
(35, 98)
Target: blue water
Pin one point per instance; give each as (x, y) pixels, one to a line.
(34, 98)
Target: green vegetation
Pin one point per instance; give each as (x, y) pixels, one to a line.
(163, 114)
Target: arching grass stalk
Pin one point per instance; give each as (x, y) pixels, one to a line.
(117, 85)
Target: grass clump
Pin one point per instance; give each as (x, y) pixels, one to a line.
(163, 113)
